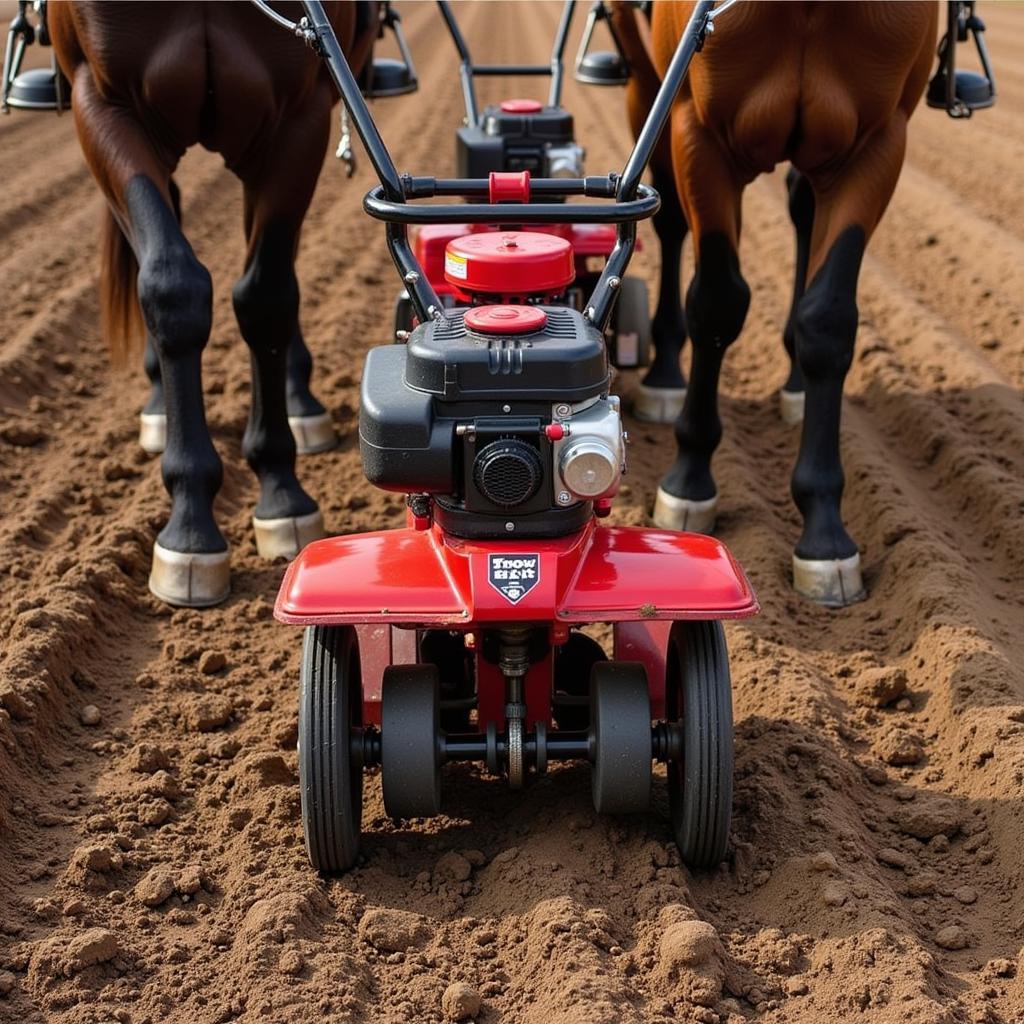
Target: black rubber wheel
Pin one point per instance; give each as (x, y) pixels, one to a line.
(574, 663)
(698, 696)
(410, 751)
(632, 316)
(620, 729)
(330, 778)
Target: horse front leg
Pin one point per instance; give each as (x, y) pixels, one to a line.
(848, 205)
(716, 307)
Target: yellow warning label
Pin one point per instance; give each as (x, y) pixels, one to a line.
(455, 265)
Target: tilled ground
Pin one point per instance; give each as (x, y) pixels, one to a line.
(151, 864)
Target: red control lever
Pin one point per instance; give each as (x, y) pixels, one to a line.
(509, 186)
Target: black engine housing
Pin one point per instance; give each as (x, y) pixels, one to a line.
(506, 141)
(460, 415)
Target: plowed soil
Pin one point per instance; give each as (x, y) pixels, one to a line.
(151, 863)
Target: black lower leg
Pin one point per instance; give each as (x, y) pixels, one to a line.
(175, 293)
(150, 360)
(801, 213)
(668, 328)
(300, 400)
(826, 326)
(155, 404)
(716, 306)
(266, 303)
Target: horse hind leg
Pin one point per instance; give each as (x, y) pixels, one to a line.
(659, 397)
(266, 301)
(826, 561)
(310, 422)
(153, 418)
(716, 307)
(191, 563)
(801, 213)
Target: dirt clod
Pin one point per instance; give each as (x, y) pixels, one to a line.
(877, 687)
(901, 748)
(212, 662)
(460, 1001)
(156, 887)
(924, 819)
(951, 937)
(95, 946)
(393, 930)
(204, 714)
(824, 860)
(90, 715)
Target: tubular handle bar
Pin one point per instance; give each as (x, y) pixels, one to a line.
(388, 202)
(645, 205)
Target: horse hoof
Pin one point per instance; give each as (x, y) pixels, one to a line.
(286, 537)
(672, 513)
(313, 434)
(791, 407)
(657, 405)
(832, 582)
(153, 432)
(190, 580)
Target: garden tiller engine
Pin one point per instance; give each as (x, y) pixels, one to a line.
(460, 637)
(533, 140)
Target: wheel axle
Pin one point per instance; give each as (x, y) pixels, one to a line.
(539, 747)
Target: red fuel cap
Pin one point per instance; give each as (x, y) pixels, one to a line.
(521, 107)
(505, 319)
(510, 263)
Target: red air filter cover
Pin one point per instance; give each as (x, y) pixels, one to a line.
(521, 107)
(510, 263)
(505, 319)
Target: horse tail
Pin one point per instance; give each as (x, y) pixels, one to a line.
(120, 315)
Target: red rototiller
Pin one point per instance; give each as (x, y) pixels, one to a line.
(533, 139)
(460, 636)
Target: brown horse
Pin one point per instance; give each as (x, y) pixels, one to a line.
(148, 81)
(828, 87)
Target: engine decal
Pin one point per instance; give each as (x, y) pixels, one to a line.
(513, 576)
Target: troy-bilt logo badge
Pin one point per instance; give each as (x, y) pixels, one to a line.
(513, 576)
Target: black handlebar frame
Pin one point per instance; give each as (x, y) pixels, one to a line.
(389, 202)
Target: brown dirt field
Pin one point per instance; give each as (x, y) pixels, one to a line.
(850, 877)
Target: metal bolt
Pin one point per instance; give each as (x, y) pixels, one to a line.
(506, 408)
(402, 335)
(562, 409)
(510, 527)
(614, 282)
(411, 278)
(564, 498)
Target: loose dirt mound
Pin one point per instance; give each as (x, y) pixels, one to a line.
(151, 862)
